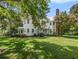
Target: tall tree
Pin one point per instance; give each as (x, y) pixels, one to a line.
(74, 10)
(62, 23)
(74, 18)
(66, 23)
(14, 10)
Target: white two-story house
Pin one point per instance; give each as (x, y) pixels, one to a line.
(28, 28)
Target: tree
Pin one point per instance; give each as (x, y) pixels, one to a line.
(74, 10)
(62, 23)
(66, 23)
(10, 16)
(36, 9)
(14, 10)
(74, 18)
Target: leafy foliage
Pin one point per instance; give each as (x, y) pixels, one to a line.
(15, 10)
(74, 10)
(62, 24)
(74, 18)
(67, 23)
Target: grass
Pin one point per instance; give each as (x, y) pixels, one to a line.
(39, 48)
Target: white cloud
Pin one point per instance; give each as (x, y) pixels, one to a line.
(51, 18)
(62, 1)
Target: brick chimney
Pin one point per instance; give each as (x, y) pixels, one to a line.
(57, 11)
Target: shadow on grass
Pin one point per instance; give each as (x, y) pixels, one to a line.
(70, 36)
(3, 38)
(39, 50)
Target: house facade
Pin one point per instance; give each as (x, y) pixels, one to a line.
(28, 28)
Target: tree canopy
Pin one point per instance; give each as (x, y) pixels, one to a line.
(67, 23)
(74, 10)
(13, 10)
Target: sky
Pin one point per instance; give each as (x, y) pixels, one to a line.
(62, 5)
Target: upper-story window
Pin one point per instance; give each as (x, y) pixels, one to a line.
(50, 23)
(53, 23)
(27, 30)
(32, 30)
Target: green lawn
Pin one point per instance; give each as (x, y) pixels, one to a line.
(39, 48)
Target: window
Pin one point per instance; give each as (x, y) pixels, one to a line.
(28, 21)
(21, 30)
(21, 24)
(32, 30)
(50, 30)
(53, 23)
(27, 30)
(50, 23)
